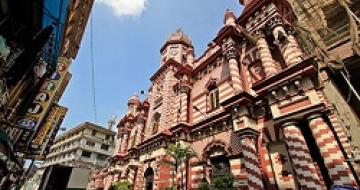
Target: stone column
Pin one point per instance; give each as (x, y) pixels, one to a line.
(232, 56)
(289, 47)
(267, 60)
(334, 160)
(292, 52)
(251, 162)
(306, 172)
(287, 43)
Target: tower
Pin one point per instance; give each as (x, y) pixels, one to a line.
(133, 104)
(178, 47)
(176, 53)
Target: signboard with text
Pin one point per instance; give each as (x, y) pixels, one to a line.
(54, 117)
(45, 97)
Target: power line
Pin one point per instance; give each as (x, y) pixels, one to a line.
(92, 68)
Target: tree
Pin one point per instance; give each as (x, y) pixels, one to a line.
(181, 153)
(224, 182)
(122, 185)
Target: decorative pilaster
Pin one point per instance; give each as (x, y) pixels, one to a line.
(334, 160)
(267, 60)
(267, 168)
(197, 176)
(124, 142)
(131, 176)
(251, 162)
(184, 103)
(341, 133)
(232, 56)
(140, 130)
(139, 178)
(118, 145)
(306, 172)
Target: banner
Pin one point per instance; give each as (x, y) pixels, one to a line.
(55, 116)
(46, 96)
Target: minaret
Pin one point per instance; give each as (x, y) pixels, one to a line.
(133, 104)
(177, 47)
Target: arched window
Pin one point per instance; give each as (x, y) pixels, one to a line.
(213, 96)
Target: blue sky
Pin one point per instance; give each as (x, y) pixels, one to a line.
(127, 36)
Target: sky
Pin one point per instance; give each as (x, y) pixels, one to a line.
(127, 37)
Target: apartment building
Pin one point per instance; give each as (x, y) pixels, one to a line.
(87, 146)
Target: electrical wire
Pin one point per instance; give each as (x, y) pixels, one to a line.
(93, 68)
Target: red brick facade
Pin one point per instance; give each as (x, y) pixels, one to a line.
(253, 99)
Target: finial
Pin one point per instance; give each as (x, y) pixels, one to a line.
(179, 30)
(229, 18)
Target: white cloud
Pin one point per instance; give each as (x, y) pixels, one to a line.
(125, 7)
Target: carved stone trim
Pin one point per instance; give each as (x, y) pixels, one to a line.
(231, 53)
(274, 22)
(229, 49)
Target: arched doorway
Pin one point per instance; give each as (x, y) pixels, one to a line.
(217, 159)
(149, 179)
(220, 166)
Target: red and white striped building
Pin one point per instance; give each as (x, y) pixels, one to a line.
(251, 105)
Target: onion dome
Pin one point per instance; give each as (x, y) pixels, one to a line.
(134, 99)
(179, 36)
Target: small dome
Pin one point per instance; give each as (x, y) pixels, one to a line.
(179, 35)
(134, 99)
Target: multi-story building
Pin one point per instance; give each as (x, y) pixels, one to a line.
(87, 145)
(253, 106)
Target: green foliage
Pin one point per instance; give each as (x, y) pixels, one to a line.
(224, 182)
(179, 152)
(122, 185)
(204, 186)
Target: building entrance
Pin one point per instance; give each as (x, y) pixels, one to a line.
(149, 179)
